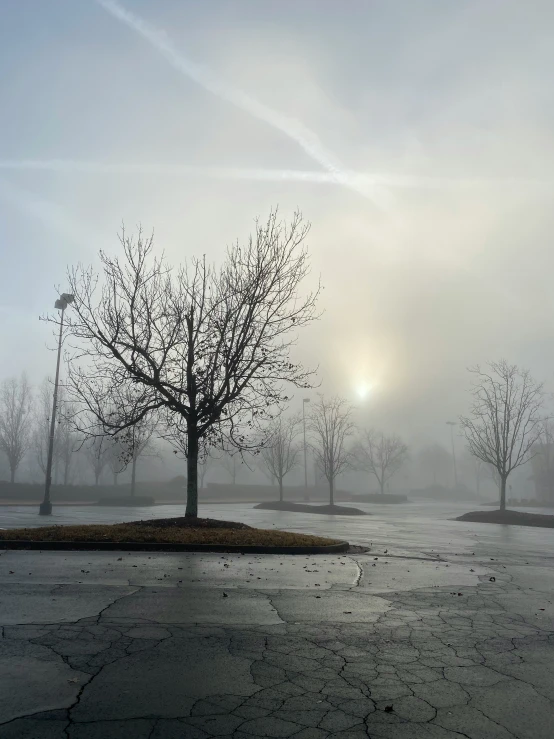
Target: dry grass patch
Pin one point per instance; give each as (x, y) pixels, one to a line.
(149, 532)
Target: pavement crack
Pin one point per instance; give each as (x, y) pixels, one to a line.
(137, 589)
(360, 572)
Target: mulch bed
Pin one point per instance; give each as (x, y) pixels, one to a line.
(191, 522)
(334, 510)
(203, 533)
(514, 518)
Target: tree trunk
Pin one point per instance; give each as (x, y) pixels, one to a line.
(503, 494)
(382, 486)
(12, 474)
(281, 489)
(133, 476)
(332, 491)
(115, 475)
(96, 478)
(66, 472)
(192, 473)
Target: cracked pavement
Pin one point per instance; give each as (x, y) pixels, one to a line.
(402, 645)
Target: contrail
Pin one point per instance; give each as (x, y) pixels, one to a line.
(385, 180)
(292, 128)
(172, 170)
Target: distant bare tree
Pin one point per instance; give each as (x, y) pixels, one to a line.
(125, 443)
(381, 455)
(208, 348)
(231, 461)
(136, 441)
(15, 420)
(117, 458)
(204, 464)
(97, 450)
(41, 427)
(504, 423)
(279, 453)
(66, 440)
(543, 462)
(331, 426)
(473, 468)
(436, 460)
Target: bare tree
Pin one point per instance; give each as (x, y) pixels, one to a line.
(66, 440)
(117, 458)
(381, 455)
(473, 468)
(41, 429)
(97, 450)
(543, 462)
(279, 454)
(209, 349)
(504, 423)
(15, 420)
(126, 443)
(136, 441)
(204, 464)
(231, 461)
(330, 423)
(436, 460)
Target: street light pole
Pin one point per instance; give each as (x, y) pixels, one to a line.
(45, 508)
(452, 424)
(305, 400)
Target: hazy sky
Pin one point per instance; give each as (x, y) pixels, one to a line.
(450, 104)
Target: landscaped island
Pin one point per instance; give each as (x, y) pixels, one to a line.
(201, 533)
(515, 518)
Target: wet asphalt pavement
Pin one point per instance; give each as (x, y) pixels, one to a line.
(443, 629)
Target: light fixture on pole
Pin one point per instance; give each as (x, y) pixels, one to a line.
(452, 424)
(306, 400)
(46, 506)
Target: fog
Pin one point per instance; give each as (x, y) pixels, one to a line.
(415, 137)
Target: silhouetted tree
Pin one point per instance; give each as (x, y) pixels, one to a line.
(331, 426)
(381, 455)
(504, 422)
(280, 451)
(15, 420)
(208, 349)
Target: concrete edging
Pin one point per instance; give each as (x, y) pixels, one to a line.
(135, 546)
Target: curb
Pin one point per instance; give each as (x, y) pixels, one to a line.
(135, 546)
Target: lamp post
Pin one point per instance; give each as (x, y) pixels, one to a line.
(305, 400)
(452, 424)
(45, 508)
